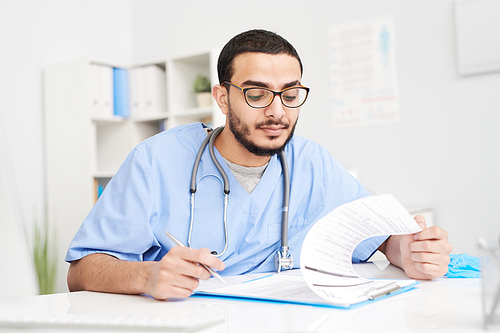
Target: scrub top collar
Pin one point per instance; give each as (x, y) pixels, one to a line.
(264, 189)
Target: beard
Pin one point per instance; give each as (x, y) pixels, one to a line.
(241, 132)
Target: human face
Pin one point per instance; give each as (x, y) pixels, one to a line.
(262, 132)
(241, 132)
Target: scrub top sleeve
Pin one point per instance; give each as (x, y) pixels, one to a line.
(119, 223)
(367, 248)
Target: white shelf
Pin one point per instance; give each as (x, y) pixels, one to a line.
(104, 174)
(194, 112)
(85, 143)
(119, 119)
(151, 118)
(114, 119)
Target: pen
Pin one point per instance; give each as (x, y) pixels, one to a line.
(179, 243)
(383, 291)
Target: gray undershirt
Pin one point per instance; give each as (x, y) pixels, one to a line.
(248, 177)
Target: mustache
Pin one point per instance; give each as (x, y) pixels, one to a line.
(272, 122)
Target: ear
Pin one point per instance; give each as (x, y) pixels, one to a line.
(221, 97)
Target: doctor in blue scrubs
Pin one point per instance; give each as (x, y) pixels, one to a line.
(122, 247)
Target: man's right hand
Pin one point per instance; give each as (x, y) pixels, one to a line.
(177, 274)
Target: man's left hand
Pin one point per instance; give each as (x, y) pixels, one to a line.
(426, 254)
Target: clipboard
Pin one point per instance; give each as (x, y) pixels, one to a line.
(327, 277)
(293, 289)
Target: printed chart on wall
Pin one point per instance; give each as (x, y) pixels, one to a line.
(363, 73)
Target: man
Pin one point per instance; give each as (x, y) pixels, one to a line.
(122, 247)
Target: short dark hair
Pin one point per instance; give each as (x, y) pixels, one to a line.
(259, 41)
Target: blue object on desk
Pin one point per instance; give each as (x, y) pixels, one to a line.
(463, 266)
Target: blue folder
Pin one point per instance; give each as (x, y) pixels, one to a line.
(320, 303)
(121, 92)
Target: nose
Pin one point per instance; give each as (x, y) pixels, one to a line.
(276, 109)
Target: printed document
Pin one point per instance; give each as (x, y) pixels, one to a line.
(327, 276)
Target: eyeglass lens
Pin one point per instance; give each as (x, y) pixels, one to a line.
(293, 97)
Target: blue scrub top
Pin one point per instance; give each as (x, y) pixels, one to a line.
(150, 195)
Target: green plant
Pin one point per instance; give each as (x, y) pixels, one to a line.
(45, 255)
(201, 84)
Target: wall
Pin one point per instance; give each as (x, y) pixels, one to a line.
(444, 151)
(35, 34)
(17, 280)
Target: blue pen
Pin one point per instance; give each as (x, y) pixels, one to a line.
(179, 243)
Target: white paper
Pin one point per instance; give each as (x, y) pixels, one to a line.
(326, 258)
(328, 247)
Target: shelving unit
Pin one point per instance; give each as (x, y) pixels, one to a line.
(85, 146)
(181, 74)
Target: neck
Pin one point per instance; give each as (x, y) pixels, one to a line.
(232, 150)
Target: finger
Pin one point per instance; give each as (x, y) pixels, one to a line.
(166, 290)
(433, 246)
(432, 271)
(430, 258)
(180, 292)
(421, 221)
(167, 282)
(201, 256)
(176, 263)
(210, 260)
(431, 233)
(184, 282)
(195, 257)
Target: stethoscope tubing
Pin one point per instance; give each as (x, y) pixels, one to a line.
(209, 140)
(286, 200)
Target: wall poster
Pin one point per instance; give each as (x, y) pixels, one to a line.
(363, 73)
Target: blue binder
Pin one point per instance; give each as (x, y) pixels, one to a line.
(121, 92)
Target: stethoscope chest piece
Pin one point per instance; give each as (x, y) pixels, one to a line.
(283, 259)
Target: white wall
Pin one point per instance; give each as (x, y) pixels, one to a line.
(17, 280)
(33, 35)
(443, 154)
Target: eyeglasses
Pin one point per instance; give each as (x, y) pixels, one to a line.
(259, 98)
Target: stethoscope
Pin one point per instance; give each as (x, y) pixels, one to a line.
(283, 258)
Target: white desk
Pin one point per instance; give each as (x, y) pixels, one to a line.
(443, 305)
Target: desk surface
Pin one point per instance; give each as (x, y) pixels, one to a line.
(444, 305)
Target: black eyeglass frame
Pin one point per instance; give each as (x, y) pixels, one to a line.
(244, 91)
